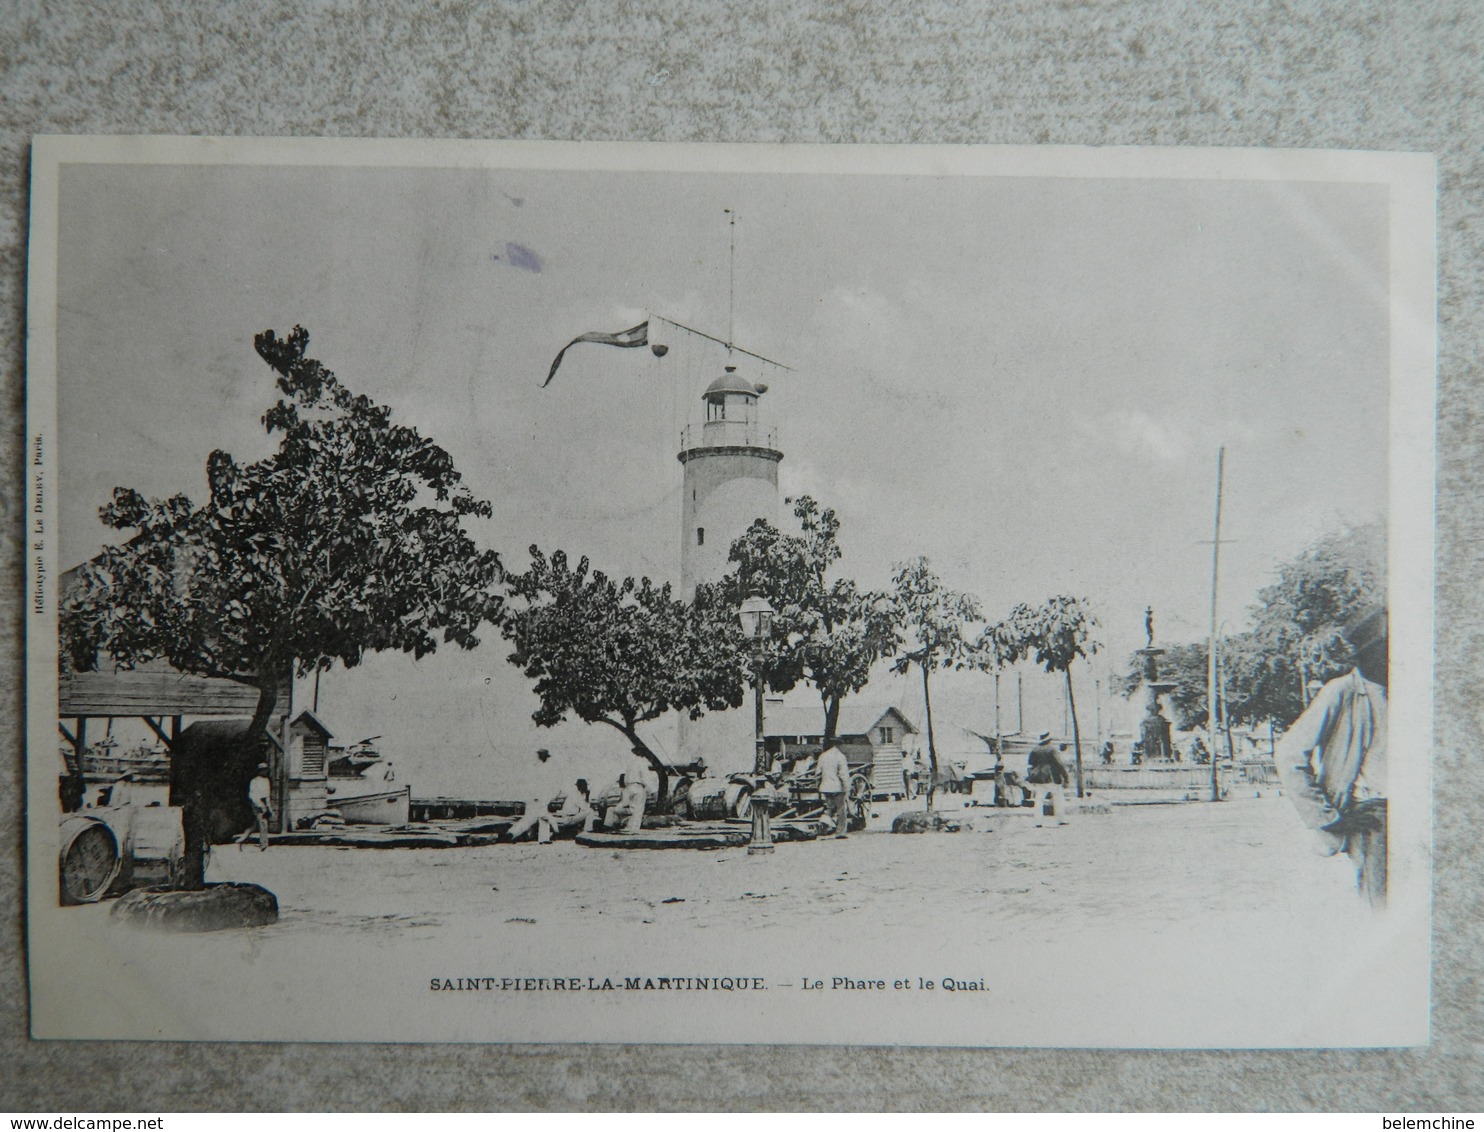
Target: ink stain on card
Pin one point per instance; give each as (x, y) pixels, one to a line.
(518, 255)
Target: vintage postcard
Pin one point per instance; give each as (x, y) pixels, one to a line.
(486, 592)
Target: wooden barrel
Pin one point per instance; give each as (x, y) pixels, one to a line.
(679, 804)
(90, 859)
(154, 848)
(711, 799)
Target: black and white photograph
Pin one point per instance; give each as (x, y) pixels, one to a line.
(554, 592)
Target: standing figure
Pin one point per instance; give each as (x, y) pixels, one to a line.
(123, 790)
(1043, 765)
(542, 790)
(1332, 761)
(834, 785)
(259, 797)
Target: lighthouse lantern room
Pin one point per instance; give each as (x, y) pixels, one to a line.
(731, 477)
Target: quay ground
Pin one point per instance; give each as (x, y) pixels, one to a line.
(1194, 924)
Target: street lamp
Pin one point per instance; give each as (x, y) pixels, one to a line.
(756, 616)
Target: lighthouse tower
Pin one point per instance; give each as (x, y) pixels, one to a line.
(731, 477)
(731, 480)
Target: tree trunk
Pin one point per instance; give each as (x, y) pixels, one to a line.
(831, 717)
(641, 749)
(190, 785)
(927, 702)
(1076, 732)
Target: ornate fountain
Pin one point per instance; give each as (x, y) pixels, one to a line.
(1154, 728)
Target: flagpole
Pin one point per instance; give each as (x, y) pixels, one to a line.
(718, 341)
(731, 275)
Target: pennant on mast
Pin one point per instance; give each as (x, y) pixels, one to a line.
(634, 336)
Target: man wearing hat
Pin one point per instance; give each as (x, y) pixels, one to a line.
(259, 797)
(1332, 761)
(1043, 765)
(543, 788)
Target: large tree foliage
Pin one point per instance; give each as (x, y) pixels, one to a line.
(350, 538)
(1298, 622)
(935, 622)
(620, 653)
(1056, 633)
(1296, 634)
(826, 630)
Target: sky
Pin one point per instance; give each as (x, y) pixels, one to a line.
(1025, 379)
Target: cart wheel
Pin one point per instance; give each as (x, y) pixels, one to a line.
(859, 806)
(742, 808)
(680, 798)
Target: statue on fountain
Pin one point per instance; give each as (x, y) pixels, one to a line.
(1154, 729)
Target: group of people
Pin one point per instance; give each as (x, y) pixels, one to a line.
(555, 805)
(1043, 767)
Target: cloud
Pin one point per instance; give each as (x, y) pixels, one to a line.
(1134, 432)
(1167, 440)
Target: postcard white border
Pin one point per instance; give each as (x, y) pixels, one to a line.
(1409, 177)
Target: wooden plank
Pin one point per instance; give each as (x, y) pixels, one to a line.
(154, 691)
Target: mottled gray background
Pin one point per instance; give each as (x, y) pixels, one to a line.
(1339, 73)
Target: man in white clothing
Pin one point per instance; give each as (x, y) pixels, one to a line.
(633, 797)
(259, 797)
(834, 784)
(577, 809)
(542, 790)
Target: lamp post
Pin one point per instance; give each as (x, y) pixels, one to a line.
(756, 616)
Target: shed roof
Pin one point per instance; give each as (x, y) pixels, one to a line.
(307, 718)
(855, 719)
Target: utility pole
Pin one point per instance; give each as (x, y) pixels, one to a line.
(1211, 648)
(1019, 703)
(1097, 689)
(999, 745)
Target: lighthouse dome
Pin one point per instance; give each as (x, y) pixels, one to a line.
(731, 382)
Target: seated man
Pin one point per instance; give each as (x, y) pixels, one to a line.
(537, 815)
(629, 809)
(1013, 791)
(576, 810)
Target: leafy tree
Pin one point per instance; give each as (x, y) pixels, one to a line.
(1057, 632)
(619, 653)
(996, 649)
(1296, 634)
(350, 538)
(1298, 621)
(935, 621)
(826, 630)
(1184, 666)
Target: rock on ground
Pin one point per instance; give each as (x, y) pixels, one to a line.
(213, 908)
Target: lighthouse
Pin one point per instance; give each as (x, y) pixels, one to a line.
(731, 477)
(731, 480)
